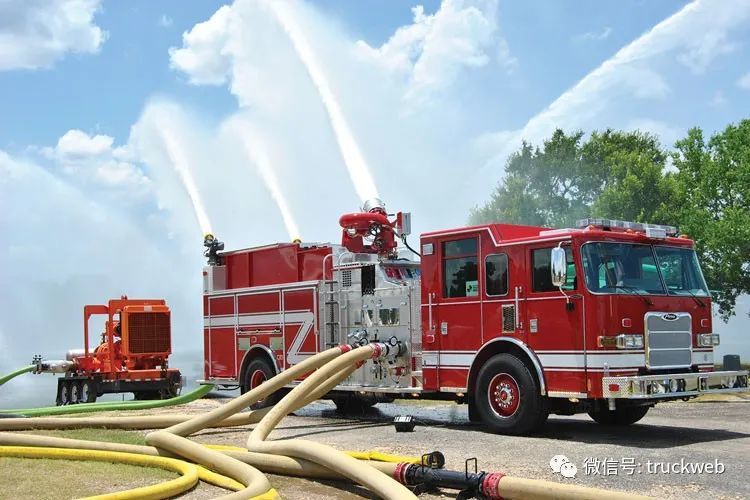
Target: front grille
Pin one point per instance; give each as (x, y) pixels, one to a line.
(668, 340)
(148, 332)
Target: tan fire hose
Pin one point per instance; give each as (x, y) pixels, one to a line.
(290, 457)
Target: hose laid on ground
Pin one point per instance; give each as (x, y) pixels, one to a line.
(298, 457)
(114, 405)
(125, 422)
(256, 483)
(331, 373)
(272, 464)
(188, 472)
(12, 375)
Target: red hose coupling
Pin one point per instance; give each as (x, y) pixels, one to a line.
(345, 348)
(377, 350)
(490, 484)
(399, 474)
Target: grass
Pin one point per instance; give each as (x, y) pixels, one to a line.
(62, 479)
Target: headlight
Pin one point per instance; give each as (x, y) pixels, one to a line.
(708, 339)
(622, 341)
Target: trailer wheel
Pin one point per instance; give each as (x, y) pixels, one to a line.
(75, 393)
(620, 416)
(88, 392)
(257, 372)
(63, 393)
(507, 397)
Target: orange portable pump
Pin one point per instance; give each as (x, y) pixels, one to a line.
(131, 357)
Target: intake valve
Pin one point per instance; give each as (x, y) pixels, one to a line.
(213, 247)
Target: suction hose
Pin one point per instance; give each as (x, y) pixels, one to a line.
(331, 373)
(113, 406)
(12, 375)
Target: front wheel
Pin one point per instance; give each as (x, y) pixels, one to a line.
(507, 397)
(619, 416)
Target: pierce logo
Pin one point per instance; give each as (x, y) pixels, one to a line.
(670, 316)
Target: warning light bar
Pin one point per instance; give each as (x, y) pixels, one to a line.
(651, 230)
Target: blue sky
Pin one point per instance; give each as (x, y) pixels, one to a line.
(141, 124)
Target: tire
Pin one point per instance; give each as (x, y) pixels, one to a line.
(620, 416)
(63, 393)
(75, 393)
(507, 397)
(258, 371)
(88, 391)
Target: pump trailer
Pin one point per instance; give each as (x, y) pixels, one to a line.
(132, 355)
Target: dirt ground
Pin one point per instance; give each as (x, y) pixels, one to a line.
(647, 458)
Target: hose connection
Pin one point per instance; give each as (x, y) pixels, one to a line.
(490, 484)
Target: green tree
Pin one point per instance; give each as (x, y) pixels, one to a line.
(713, 195)
(611, 174)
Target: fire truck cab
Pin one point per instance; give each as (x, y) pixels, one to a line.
(518, 322)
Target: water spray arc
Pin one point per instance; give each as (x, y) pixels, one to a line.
(253, 146)
(182, 167)
(355, 162)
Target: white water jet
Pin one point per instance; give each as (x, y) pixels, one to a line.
(359, 173)
(181, 166)
(253, 147)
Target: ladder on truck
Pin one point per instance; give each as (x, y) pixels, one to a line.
(332, 314)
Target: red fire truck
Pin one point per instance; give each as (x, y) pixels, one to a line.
(518, 322)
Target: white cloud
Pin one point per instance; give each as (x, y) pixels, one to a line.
(204, 57)
(594, 36)
(703, 48)
(632, 71)
(78, 143)
(92, 158)
(165, 21)
(37, 33)
(744, 81)
(435, 48)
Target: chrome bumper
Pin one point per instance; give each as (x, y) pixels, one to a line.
(674, 385)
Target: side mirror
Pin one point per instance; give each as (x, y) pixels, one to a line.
(558, 266)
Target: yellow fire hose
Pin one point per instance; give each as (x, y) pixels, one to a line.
(188, 472)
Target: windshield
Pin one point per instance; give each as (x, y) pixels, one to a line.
(681, 272)
(632, 269)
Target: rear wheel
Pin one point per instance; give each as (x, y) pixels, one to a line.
(258, 371)
(88, 392)
(507, 397)
(619, 416)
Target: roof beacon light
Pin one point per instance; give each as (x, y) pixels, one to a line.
(651, 230)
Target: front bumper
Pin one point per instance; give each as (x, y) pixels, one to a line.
(674, 385)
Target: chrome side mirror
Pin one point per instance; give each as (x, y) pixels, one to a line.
(558, 266)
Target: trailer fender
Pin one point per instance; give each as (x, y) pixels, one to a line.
(509, 345)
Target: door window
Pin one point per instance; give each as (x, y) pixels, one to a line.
(496, 274)
(542, 275)
(460, 268)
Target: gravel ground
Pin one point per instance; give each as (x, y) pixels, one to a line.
(696, 433)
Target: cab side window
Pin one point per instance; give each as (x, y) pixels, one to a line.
(496, 274)
(460, 268)
(541, 274)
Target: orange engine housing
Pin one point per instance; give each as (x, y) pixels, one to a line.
(137, 337)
